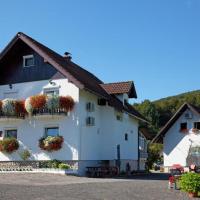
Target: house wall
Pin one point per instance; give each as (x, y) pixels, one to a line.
(100, 142)
(31, 129)
(12, 70)
(177, 144)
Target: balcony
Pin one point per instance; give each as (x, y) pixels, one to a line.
(47, 114)
(11, 118)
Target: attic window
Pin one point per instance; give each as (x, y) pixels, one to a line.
(197, 125)
(28, 61)
(183, 127)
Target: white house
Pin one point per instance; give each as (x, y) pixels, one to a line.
(181, 137)
(101, 127)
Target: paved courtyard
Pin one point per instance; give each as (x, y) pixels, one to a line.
(51, 187)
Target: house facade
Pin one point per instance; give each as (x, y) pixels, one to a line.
(99, 126)
(181, 137)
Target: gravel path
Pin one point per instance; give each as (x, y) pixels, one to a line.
(59, 187)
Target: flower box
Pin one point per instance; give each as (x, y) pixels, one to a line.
(51, 143)
(8, 145)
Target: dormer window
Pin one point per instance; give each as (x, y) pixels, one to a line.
(28, 61)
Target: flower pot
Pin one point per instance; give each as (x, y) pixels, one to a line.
(192, 194)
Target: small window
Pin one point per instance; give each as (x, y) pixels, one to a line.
(11, 133)
(51, 131)
(90, 107)
(183, 126)
(197, 125)
(90, 121)
(126, 136)
(119, 117)
(51, 92)
(28, 61)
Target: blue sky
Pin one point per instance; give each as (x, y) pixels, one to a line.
(155, 43)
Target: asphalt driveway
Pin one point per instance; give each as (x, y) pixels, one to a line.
(59, 187)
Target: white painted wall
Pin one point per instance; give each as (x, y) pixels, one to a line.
(177, 144)
(81, 142)
(100, 142)
(31, 130)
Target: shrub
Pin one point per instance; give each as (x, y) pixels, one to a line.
(52, 102)
(25, 155)
(8, 107)
(64, 166)
(51, 143)
(38, 101)
(67, 103)
(9, 145)
(190, 182)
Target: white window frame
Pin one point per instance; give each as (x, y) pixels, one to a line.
(54, 90)
(50, 126)
(28, 57)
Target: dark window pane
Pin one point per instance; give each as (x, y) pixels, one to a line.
(29, 62)
(197, 125)
(52, 131)
(11, 133)
(183, 126)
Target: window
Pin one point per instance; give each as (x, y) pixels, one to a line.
(90, 121)
(119, 117)
(183, 126)
(90, 107)
(11, 133)
(126, 136)
(28, 61)
(197, 125)
(51, 131)
(51, 92)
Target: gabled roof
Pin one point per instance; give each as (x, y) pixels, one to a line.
(75, 74)
(174, 118)
(120, 88)
(145, 132)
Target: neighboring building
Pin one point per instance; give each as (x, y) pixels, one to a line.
(181, 137)
(144, 139)
(103, 126)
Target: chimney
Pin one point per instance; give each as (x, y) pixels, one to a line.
(67, 56)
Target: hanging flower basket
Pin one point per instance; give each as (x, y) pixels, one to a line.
(195, 130)
(184, 130)
(51, 143)
(9, 145)
(41, 104)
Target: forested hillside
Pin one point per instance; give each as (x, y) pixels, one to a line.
(160, 111)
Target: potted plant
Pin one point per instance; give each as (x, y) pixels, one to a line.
(51, 143)
(190, 183)
(8, 107)
(66, 103)
(20, 108)
(34, 103)
(195, 130)
(9, 145)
